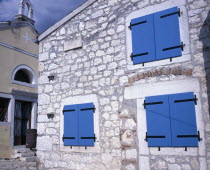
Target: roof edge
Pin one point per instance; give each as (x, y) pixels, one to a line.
(65, 19)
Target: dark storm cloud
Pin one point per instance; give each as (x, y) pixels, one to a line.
(46, 12)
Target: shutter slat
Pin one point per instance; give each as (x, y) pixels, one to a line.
(70, 136)
(167, 34)
(86, 124)
(158, 121)
(183, 120)
(143, 43)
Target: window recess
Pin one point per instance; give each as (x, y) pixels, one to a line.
(79, 125)
(171, 120)
(156, 36)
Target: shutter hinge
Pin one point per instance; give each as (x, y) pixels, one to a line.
(94, 109)
(131, 56)
(89, 138)
(152, 103)
(138, 23)
(187, 100)
(179, 12)
(191, 136)
(68, 138)
(68, 110)
(146, 138)
(174, 47)
(173, 13)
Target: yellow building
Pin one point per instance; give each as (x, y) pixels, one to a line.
(18, 79)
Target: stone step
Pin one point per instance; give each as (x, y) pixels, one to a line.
(16, 163)
(21, 150)
(23, 154)
(28, 159)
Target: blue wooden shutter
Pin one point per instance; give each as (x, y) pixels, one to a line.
(167, 34)
(86, 124)
(158, 121)
(183, 119)
(143, 43)
(70, 136)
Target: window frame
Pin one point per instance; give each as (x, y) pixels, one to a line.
(31, 74)
(170, 115)
(92, 98)
(184, 35)
(141, 90)
(78, 110)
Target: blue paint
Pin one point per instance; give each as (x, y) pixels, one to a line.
(78, 123)
(155, 37)
(171, 119)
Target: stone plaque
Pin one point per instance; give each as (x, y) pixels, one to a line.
(73, 44)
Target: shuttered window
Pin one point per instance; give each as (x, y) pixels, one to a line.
(79, 125)
(171, 120)
(156, 36)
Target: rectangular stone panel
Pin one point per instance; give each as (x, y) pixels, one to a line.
(73, 44)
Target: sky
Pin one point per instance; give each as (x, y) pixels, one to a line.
(46, 12)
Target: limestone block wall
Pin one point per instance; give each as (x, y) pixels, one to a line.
(88, 55)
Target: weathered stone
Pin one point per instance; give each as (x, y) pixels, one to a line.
(128, 138)
(131, 154)
(44, 99)
(174, 167)
(162, 165)
(44, 56)
(44, 143)
(194, 163)
(73, 43)
(130, 124)
(130, 167)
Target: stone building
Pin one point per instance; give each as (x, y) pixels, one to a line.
(122, 85)
(18, 80)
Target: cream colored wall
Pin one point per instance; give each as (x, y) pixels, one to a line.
(5, 148)
(10, 59)
(14, 36)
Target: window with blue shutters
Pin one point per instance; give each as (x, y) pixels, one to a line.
(79, 125)
(156, 36)
(171, 120)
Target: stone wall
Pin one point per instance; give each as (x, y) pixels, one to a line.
(98, 65)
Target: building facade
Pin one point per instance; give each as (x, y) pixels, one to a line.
(18, 79)
(127, 88)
